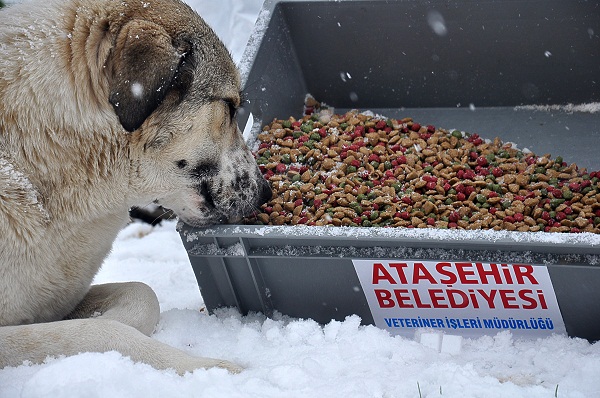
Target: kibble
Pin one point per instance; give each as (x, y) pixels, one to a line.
(358, 169)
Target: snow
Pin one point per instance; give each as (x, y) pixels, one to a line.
(137, 90)
(593, 107)
(286, 357)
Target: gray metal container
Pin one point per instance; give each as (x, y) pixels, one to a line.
(471, 65)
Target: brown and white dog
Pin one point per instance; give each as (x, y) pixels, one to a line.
(104, 105)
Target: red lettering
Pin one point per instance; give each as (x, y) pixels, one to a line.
(421, 273)
(453, 302)
(381, 273)
(401, 299)
(451, 278)
(490, 298)
(483, 273)
(473, 298)
(531, 301)
(524, 271)
(418, 301)
(507, 296)
(464, 270)
(435, 299)
(384, 298)
(542, 299)
(399, 267)
(507, 275)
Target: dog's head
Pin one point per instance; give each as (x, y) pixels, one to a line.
(175, 89)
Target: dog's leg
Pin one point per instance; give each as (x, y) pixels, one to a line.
(132, 303)
(123, 315)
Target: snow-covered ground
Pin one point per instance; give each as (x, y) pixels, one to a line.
(287, 357)
(296, 358)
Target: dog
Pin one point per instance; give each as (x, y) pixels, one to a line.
(105, 105)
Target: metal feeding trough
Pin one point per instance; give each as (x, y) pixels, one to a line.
(485, 67)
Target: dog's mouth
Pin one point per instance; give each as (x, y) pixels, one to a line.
(217, 205)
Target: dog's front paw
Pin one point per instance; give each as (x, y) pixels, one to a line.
(229, 366)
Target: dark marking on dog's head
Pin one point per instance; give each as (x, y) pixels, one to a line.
(144, 67)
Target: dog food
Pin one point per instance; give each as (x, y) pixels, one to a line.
(360, 169)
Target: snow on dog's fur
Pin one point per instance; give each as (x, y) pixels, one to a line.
(105, 105)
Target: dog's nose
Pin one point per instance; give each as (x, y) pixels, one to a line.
(265, 193)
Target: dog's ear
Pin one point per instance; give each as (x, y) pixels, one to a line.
(142, 66)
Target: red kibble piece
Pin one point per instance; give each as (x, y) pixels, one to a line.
(431, 129)
(380, 125)
(322, 132)
(355, 163)
(497, 172)
(431, 185)
(461, 197)
(454, 216)
(520, 197)
(493, 210)
(268, 209)
(509, 219)
(281, 168)
(415, 127)
(493, 194)
(447, 187)
(357, 220)
(404, 215)
(469, 189)
(575, 187)
(482, 161)
(407, 200)
(519, 217)
(431, 221)
(483, 171)
(401, 159)
(374, 158)
(303, 220)
(298, 202)
(545, 216)
(560, 216)
(359, 130)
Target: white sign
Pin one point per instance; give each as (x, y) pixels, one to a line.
(470, 299)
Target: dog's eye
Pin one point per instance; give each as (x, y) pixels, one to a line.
(232, 108)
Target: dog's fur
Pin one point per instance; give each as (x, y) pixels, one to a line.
(104, 105)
